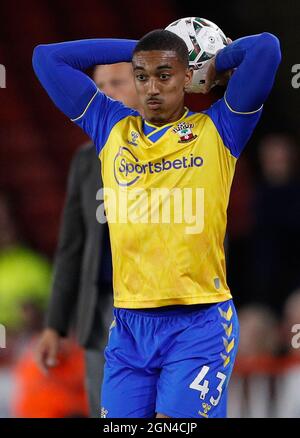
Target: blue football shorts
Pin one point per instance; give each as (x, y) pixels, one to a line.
(174, 361)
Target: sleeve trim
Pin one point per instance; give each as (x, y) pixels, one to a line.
(86, 108)
(240, 112)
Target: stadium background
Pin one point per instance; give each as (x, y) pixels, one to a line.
(36, 146)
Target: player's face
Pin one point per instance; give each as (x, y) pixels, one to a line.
(160, 79)
(116, 81)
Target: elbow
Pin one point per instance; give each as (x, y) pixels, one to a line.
(39, 56)
(269, 46)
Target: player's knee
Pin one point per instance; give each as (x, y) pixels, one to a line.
(158, 415)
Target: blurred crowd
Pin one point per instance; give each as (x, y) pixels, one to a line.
(25, 278)
(263, 272)
(263, 225)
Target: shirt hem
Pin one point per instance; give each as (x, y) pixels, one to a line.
(144, 304)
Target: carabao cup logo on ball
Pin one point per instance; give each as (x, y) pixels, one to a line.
(128, 169)
(203, 39)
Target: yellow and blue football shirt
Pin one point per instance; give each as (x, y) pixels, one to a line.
(171, 182)
(175, 181)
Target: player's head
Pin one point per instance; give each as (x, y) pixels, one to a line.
(116, 81)
(161, 72)
(258, 330)
(278, 157)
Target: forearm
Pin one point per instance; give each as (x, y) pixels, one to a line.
(60, 66)
(256, 59)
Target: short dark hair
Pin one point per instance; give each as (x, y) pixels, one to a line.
(161, 39)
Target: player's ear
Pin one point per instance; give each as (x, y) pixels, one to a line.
(188, 77)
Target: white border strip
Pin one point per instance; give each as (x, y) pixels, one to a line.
(81, 115)
(238, 112)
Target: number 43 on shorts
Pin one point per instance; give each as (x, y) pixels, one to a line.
(204, 387)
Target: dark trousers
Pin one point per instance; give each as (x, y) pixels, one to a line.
(94, 353)
(94, 361)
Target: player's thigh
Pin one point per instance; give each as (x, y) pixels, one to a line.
(129, 387)
(193, 383)
(128, 393)
(197, 391)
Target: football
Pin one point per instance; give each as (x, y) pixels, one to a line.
(203, 39)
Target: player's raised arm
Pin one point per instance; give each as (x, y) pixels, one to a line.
(255, 60)
(60, 69)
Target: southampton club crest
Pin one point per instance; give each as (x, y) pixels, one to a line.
(184, 130)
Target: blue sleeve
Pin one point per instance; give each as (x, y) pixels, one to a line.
(100, 116)
(234, 128)
(59, 67)
(255, 60)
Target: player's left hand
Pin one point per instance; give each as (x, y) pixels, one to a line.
(213, 77)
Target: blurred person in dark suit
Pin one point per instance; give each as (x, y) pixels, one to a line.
(276, 234)
(82, 285)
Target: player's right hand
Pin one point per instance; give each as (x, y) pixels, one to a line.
(212, 77)
(47, 350)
